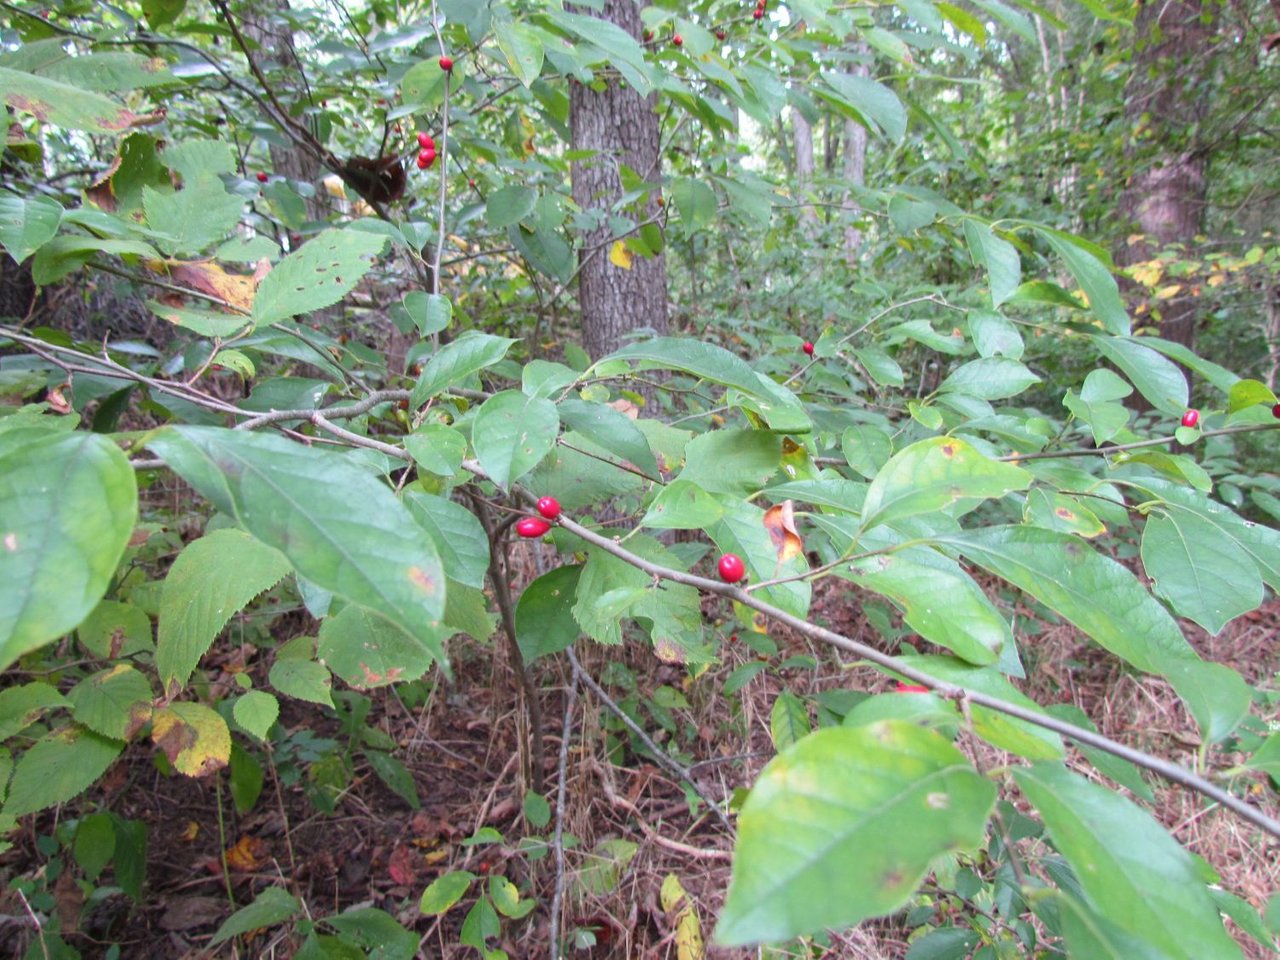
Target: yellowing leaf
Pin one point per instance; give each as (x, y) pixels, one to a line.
(677, 904)
(1166, 292)
(619, 255)
(1147, 273)
(194, 738)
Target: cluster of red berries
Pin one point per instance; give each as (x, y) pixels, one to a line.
(759, 12)
(533, 527)
(426, 151)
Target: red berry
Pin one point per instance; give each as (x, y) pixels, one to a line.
(678, 40)
(758, 14)
(532, 527)
(900, 687)
(426, 158)
(263, 176)
(1191, 418)
(720, 34)
(446, 64)
(1275, 411)
(731, 568)
(808, 348)
(471, 184)
(648, 35)
(549, 507)
(425, 141)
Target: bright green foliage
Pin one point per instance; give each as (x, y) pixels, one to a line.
(865, 810)
(68, 503)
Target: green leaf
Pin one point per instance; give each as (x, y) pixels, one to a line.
(95, 843)
(995, 335)
(1094, 592)
(865, 811)
(456, 361)
(682, 505)
(696, 203)
(1267, 757)
(210, 581)
(1121, 771)
(734, 462)
(866, 448)
(193, 218)
(395, 776)
(302, 680)
(445, 891)
(509, 205)
(23, 705)
(1096, 405)
(1157, 378)
(376, 932)
(272, 906)
(937, 598)
(618, 46)
(523, 48)
(1057, 511)
(68, 503)
(60, 765)
(614, 431)
(1199, 569)
(741, 530)
(779, 407)
(1133, 873)
(63, 104)
(113, 71)
(990, 378)
(879, 107)
(1244, 393)
(788, 721)
(27, 224)
(1091, 267)
(457, 534)
(544, 613)
(437, 448)
(256, 711)
(113, 702)
(319, 274)
(194, 737)
(512, 433)
(367, 651)
(935, 473)
(341, 528)
(997, 256)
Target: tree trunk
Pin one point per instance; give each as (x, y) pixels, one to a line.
(1163, 201)
(855, 174)
(622, 128)
(805, 167)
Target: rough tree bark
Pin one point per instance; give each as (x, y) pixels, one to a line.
(1165, 103)
(855, 174)
(805, 166)
(622, 128)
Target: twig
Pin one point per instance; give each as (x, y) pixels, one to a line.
(35, 921)
(1170, 771)
(557, 837)
(660, 756)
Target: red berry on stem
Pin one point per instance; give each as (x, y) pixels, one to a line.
(263, 177)
(471, 184)
(1191, 418)
(720, 34)
(808, 348)
(758, 14)
(426, 158)
(425, 141)
(446, 64)
(549, 507)
(1275, 411)
(731, 568)
(678, 40)
(532, 527)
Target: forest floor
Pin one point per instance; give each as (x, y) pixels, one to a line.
(461, 745)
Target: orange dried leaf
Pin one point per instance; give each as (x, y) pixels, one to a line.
(248, 854)
(780, 521)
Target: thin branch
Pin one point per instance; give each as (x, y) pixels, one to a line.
(662, 758)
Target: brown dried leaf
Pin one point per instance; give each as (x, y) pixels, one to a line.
(248, 854)
(780, 521)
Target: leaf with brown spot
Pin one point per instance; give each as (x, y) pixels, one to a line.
(207, 277)
(194, 738)
(780, 521)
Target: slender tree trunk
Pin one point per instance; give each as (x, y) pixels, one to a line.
(805, 166)
(855, 174)
(622, 128)
(1163, 201)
